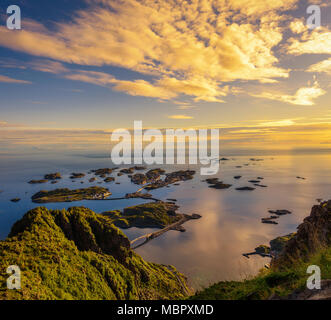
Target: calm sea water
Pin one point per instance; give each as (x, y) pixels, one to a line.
(211, 248)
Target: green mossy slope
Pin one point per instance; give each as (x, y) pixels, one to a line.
(77, 254)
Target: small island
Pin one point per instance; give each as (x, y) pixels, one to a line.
(53, 176)
(77, 175)
(67, 195)
(149, 215)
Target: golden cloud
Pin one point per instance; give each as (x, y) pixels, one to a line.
(48, 66)
(323, 66)
(317, 41)
(11, 80)
(180, 117)
(304, 96)
(189, 48)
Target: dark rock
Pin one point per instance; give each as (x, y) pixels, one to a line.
(181, 175)
(127, 170)
(154, 174)
(260, 185)
(139, 178)
(109, 179)
(102, 172)
(280, 212)
(268, 221)
(301, 178)
(278, 244)
(38, 181)
(245, 189)
(212, 180)
(237, 177)
(221, 185)
(139, 168)
(52, 176)
(15, 200)
(77, 175)
(262, 249)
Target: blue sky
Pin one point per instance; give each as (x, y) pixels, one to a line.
(101, 64)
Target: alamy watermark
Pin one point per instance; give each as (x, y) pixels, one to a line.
(314, 18)
(154, 146)
(314, 281)
(14, 19)
(14, 281)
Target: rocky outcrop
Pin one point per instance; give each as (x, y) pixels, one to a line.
(181, 175)
(220, 185)
(52, 176)
(312, 235)
(308, 294)
(38, 181)
(77, 175)
(139, 178)
(102, 172)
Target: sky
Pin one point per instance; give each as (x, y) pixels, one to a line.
(78, 69)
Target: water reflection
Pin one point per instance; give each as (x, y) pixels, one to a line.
(211, 249)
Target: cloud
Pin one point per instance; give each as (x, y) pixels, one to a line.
(317, 41)
(11, 80)
(48, 66)
(5, 124)
(280, 123)
(298, 26)
(180, 117)
(323, 66)
(304, 96)
(164, 88)
(190, 48)
(184, 105)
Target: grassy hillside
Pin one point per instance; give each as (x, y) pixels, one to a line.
(77, 254)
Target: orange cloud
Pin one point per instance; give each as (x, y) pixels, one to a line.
(180, 117)
(190, 48)
(322, 66)
(304, 96)
(11, 80)
(317, 41)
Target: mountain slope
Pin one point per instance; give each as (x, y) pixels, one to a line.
(77, 254)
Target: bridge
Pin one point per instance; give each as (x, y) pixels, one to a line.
(150, 236)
